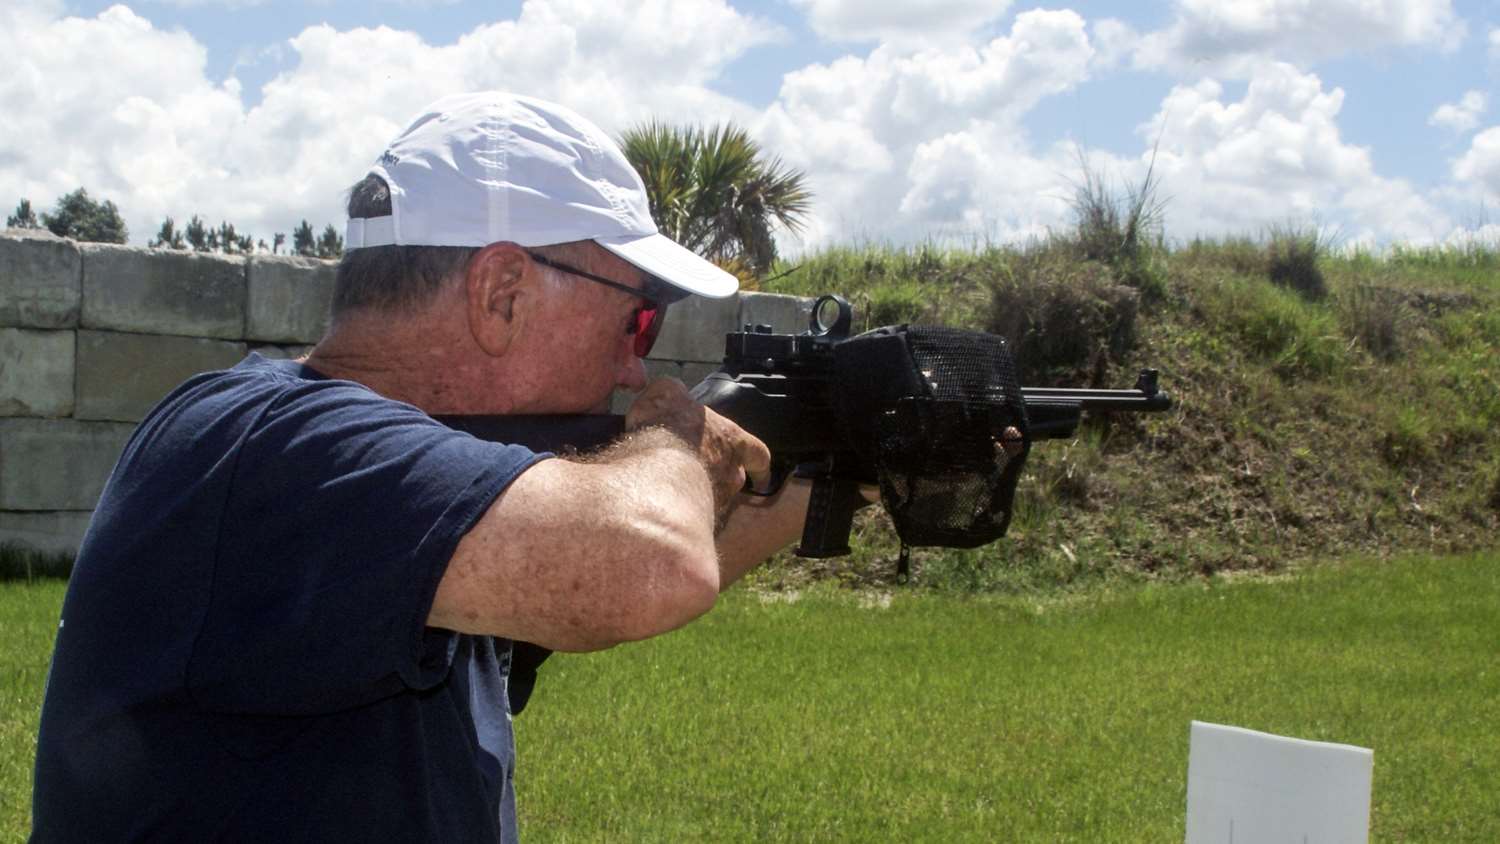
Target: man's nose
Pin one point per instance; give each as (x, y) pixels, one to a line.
(632, 373)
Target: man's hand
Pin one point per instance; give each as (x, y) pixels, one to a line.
(728, 452)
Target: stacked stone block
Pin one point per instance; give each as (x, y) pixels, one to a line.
(93, 335)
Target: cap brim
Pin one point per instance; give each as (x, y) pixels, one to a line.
(682, 268)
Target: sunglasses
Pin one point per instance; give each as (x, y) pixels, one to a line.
(645, 321)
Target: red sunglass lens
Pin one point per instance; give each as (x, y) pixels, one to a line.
(648, 322)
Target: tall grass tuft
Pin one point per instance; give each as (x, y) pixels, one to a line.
(1375, 317)
(1292, 255)
(1120, 230)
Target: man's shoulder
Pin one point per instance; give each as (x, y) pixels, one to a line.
(264, 401)
(253, 379)
(263, 385)
(257, 374)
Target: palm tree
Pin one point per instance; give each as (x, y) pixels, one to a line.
(713, 191)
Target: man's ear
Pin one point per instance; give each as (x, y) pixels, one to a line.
(495, 282)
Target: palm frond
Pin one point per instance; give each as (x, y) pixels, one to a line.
(713, 191)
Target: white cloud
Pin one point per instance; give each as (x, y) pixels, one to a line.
(1478, 236)
(1478, 169)
(1494, 41)
(115, 105)
(1234, 39)
(1461, 116)
(900, 145)
(107, 103)
(982, 182)
(904, 143)
(899, 22)
(1276, 155)
(1114, 41)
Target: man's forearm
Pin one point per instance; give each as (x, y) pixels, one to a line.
(758, 528)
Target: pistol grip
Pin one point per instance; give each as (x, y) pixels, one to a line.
(830, 517)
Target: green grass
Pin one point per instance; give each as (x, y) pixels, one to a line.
(1472, 265)
(28, 617)
(1296, 337)
(893, 284)
(840, 715)
(943, 719)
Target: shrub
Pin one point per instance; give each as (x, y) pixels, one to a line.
(1064, 319)
(1292, 255)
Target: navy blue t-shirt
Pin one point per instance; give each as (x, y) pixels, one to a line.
(243, 652)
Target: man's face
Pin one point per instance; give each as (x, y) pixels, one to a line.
(583, 347)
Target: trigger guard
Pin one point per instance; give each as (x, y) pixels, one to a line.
(778, 480)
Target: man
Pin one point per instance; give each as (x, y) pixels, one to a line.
(292, 616)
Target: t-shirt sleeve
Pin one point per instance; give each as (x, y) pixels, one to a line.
(343, 512)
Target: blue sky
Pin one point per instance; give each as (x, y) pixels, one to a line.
(951, 119)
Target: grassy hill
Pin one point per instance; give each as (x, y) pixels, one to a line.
(1328, 402)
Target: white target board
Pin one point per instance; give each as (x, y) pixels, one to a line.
(1246, 787)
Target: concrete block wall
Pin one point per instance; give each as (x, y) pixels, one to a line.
(93, 335)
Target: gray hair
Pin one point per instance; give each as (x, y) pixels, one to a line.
(391, 278)
(396, 278)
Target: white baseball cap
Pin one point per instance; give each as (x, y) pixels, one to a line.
(474, 169)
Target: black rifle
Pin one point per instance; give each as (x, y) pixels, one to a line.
(781, 388)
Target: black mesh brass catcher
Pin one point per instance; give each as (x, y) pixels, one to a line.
(940, 414)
